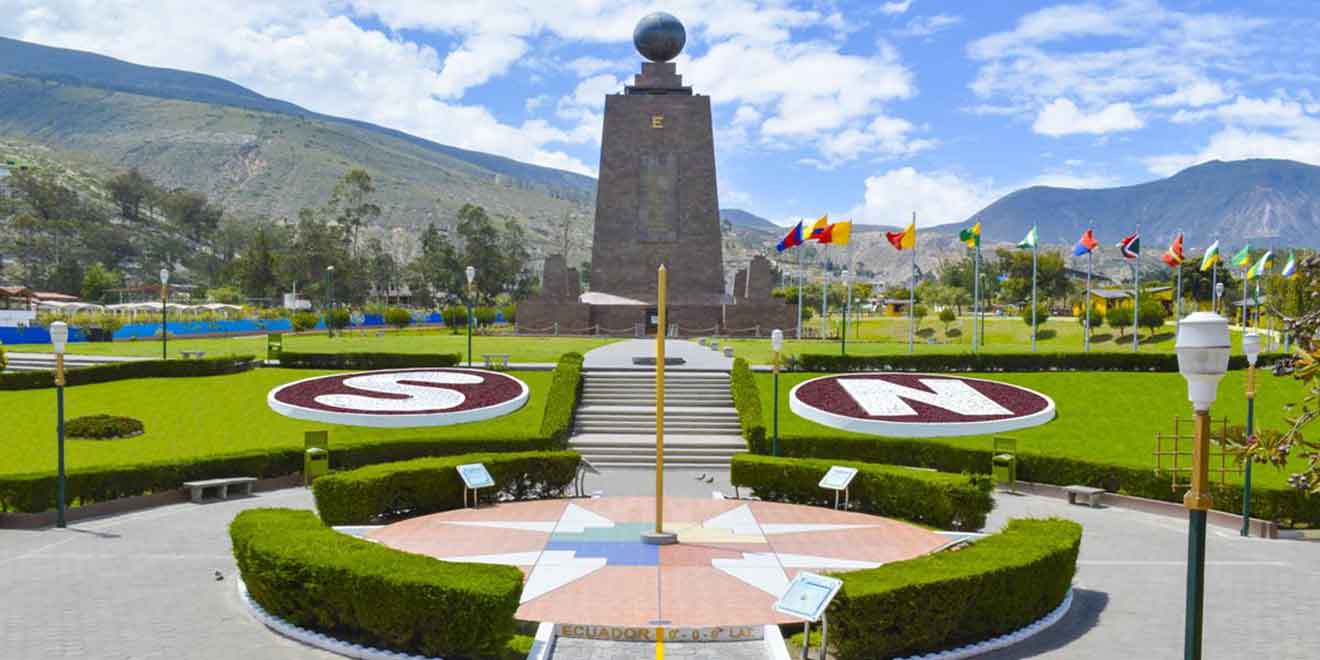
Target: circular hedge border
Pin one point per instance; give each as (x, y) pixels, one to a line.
(103, 427)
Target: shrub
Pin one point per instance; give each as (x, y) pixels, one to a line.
(315, 577)
(303, 321)
(338, 318)
(919, 311)
(1152, 315)
(30, 380)
(561, 401)
(428, 485)
(995, 586)
(947, 316)
(1005, 362)
(484, 315)
(1119, 318)
(455, 317)
(938, 499)
(1042, 314)
(510, 313)
(398, 317)
(298, 360)
(747, 401)
(4, 362)
(1097, 318)
(102, 427)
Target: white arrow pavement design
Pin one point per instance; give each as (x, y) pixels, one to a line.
(881, 398)
(507, 559)
(577, 519)
(556, 569)
(506, 524)
(765, 570)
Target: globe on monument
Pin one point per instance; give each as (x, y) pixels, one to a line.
(659, 37)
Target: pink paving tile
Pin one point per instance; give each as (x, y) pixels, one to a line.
(891, 542)
(693, 596)
(697, 554)
(775, 512)
(611, 596)
(688, 510)
(445, 540)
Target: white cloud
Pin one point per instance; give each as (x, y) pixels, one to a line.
(925, 26)
(893, 8)
(1062, 117)
(885, 136)
(586, 67)
(1195, 95)
(1252, 128)
(937, 198)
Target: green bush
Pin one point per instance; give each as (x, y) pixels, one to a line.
(1152, 315)
(398, 317)
(1267, 503)
(428, 485)
(312, 576)
(1120, 319)
(1042, 314)
(747, 401)
(1006, 362)
(300, 360)
(1097, 318)
(304, 321)
(937, 499)
(102, 427)
(455, 316)
(949, 599)
(4, 362)
(565, 387)
(484, 315)
(339, 318)
(104, 373)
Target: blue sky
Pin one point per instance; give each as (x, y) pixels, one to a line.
(869, 110)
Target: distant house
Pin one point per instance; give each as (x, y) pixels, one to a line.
(1106, 299)
(17, 306)
(895, 307)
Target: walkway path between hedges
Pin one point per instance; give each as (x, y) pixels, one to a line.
(142, 585)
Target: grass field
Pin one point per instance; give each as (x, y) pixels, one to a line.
(194, 417)
(1103, 417)
(520, 349)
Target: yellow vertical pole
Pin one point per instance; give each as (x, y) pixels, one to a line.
(660, 403)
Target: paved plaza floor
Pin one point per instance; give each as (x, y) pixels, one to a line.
(143, 585)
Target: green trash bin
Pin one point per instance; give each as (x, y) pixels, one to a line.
(1003, 462)
(316, 455)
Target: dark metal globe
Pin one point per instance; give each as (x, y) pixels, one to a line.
(659, 37)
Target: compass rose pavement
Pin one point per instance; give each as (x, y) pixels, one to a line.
(584, 561)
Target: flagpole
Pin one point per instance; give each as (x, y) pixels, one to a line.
(1245, 286)
(912, 291)
(1090, 264)
(1035, 259)
(1180, 270)
(1136, 297)
(1214, 286)
(976, 292)
(824, 299)
(800, 248)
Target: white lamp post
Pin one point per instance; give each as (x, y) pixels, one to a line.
(329, 299)
(847, 307)
(1203, 348)
(1251, 347)
(59, 336)
(164, 300)
(471, 273)
(777, 344)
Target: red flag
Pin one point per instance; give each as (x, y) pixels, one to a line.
(1174, 255)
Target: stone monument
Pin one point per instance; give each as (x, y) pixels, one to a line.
(656, 203)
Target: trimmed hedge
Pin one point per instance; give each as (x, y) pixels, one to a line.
(312, 576)
(102, 427)
(565, 387)
(1007, 362)
(428, 485)
(949, 599)
(104, 373)
(937, 499)
(298, 360)
(747, 401)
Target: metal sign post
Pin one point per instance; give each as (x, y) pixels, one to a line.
(475, 476)
(806, 598)
(837, 479)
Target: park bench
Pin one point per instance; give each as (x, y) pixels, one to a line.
(492, 358)
(221, 486)
(1092, 495)
(188, 355)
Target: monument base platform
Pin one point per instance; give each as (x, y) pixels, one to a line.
(576, 318)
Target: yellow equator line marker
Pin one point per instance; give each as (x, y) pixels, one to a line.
(659, 643)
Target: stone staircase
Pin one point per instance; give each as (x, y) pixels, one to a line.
(614, 425)
(46, 361)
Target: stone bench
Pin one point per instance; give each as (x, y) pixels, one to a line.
(1092, 495)
(221, 486)
(492, 358)
(188, 355)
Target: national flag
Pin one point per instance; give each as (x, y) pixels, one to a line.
(818, 227)
(1211, 257)
(971, 236)
(1266, 262)
(838, 233)
(903, 240)
(1243, 258)
(1290, 268)
(792, 239)
(1031, 239)
(1174, 255)
(1130, 246)
(1086, 244)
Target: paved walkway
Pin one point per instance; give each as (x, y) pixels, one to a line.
(619, 355)
(143, 586)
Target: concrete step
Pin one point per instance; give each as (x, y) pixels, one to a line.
(606, 460)
(650, 409)
(649, 432)
(646, 443)
(650, 387)
(670, 402)
(719, 418)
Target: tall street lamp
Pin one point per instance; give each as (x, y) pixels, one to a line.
(59, 335)
(843, 336)
(1203, 347)
(164, 300)
(329, 299)
(471, 277)
(777, 344)
(1250, 346)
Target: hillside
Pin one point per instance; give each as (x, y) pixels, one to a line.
(1266, 202)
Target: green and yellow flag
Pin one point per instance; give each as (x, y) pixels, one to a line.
(1211, 257)
(971, 236)
(1266, 262)
(1243, 258)
(1031, 239)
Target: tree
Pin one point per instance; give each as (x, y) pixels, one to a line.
(97, 282)
(947, 316)
(1152, 315)
(1097, 319)
(350, 204)
(919, 312)
(1119, 318)
(257, 265)
(1041, 316)
(191, 212)
(130, 192)
(398, 317)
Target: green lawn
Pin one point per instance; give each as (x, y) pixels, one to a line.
(195, 417)
(1103, 417)
(520, 349)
